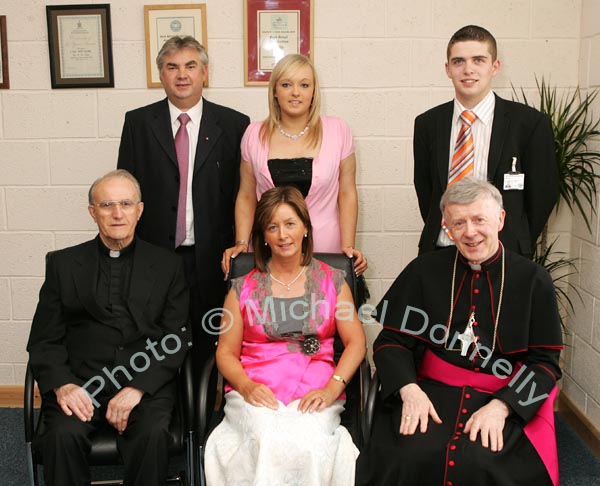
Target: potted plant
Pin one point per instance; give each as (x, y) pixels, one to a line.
(574, 128)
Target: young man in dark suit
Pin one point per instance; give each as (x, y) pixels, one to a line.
(511, 145)
(185, 152)
(109, 333)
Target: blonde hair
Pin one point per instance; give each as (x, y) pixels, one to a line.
(287, 66)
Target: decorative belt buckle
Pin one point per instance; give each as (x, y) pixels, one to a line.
(311, 345)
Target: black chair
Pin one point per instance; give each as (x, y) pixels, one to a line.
(210, 405)
(372, 402)
(104, 441)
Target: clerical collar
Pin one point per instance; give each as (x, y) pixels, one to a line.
(486, 264)
(104, 250)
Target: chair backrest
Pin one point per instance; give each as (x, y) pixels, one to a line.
(244, 263)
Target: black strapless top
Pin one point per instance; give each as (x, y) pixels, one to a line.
(292, 172)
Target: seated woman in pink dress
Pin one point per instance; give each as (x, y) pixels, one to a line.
(298, 146)
(285, 392)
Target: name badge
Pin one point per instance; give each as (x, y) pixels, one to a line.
(514, 180)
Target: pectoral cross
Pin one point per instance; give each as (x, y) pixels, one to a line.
(467, 337)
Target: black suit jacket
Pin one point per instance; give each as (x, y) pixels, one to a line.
(148, 151)
(66, 342)
(517, 131)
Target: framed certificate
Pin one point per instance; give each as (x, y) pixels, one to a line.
(4, 83)
(80, 45)
(273, 29)
(165, 21)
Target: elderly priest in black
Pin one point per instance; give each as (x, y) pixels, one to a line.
(468, 360)
(108, 336)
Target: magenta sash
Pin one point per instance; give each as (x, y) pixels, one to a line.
(540, 430)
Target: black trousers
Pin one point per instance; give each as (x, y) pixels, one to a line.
(204, 343)
(144, 446)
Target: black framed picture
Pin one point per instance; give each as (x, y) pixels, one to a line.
(4, 82)
(80, 45)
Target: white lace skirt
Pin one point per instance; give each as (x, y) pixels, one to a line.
(257, 446)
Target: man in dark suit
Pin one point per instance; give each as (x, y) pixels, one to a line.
(189, 195)
(513, 147)
(108, 336)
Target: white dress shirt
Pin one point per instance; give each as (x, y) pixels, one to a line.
(482, 134)
(193, 129)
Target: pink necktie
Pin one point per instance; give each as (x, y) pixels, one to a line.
(182, 147)
(464, 155)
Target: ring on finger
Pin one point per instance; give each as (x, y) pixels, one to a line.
(407, 417)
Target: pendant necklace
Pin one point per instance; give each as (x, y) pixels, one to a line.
(288, 285)
(289, 135)
(468, 337)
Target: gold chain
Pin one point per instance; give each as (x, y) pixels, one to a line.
(291, 282)
(497, 313)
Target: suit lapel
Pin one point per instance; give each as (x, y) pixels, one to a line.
(444, 131)
(500, 128)
(161, 127)
(143, 277)
(210, 131)
(85, 276)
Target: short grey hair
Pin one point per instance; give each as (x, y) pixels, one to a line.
(177, 43)
(468, 190)
(118, 173)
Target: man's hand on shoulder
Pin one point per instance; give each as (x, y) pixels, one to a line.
(121, 405)
(73, 399)
(489, 420)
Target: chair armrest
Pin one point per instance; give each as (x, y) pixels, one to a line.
(186, 391)
(365, 381)
(203, 398)
(28, 404)
(368, 415)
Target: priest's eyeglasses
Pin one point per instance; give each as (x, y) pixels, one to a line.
(109, 206)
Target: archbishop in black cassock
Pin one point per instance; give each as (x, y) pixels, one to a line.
(481, 338)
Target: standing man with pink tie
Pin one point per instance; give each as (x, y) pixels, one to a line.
(185, 152)
(482, 135)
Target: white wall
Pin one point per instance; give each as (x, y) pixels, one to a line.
(381, 63)
(581, 382)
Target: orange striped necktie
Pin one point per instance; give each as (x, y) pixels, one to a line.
(464, 154)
